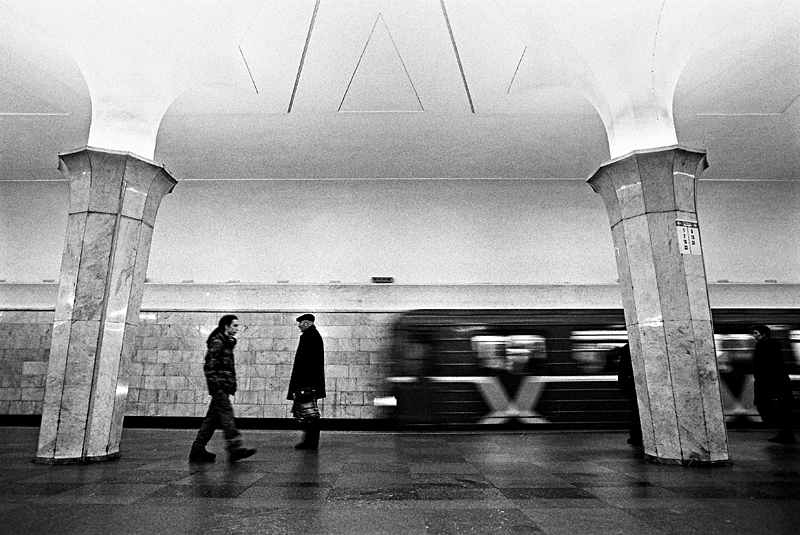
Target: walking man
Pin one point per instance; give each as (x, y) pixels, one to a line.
(220, 372)
(773, 388)
(308, 372)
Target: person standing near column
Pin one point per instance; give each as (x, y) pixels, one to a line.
(308, 372)
(220, 372)
(773, 388)
(628, 386)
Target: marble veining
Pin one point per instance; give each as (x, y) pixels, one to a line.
(657, 186)
(665, 297)
(100, 291)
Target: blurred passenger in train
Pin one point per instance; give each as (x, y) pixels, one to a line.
(628, 386)
(308, 372)
(773, 388)
(220, 372)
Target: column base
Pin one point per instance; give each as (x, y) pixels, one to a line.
(687, 462)
(77, 460)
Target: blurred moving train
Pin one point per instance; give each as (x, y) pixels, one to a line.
(550, 368)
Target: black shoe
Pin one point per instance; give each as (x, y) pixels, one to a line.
(781, 439)
(200, 455)
(634, 442)
(240, 453)
(306, 446)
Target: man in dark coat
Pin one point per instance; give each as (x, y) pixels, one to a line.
(308, 372)
(773, 388)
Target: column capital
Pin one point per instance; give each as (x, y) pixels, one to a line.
(650, 199)
(113, 200)
(111, 182)
(648, 181)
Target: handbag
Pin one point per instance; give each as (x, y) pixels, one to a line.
(305, 407)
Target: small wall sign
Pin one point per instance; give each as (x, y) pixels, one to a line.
(688, 237)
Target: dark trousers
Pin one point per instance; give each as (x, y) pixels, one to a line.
(220, 414)
(635, 422)
(777, 413)
(311, 432)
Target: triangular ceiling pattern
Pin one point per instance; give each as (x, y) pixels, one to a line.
(380, 81)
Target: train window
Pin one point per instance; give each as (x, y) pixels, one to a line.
(593, 350)
(409, 354)
(734, 351)
(514, 353)
(794, 340)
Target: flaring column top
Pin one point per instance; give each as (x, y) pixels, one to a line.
(111, 182)
(654, 180)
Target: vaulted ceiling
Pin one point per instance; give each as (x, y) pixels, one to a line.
(273, 89)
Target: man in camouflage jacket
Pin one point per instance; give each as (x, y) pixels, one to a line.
(220, 372)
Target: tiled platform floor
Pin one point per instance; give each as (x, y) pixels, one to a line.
(383, 483)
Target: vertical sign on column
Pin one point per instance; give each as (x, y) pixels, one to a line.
(688, 237)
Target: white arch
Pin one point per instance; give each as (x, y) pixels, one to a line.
(133, 55)
(630, 76)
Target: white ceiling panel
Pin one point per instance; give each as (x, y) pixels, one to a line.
(273, 89)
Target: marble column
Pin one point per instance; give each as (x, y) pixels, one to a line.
(113, 200)
(650, 199)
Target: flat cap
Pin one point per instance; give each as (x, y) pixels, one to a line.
(309, 317)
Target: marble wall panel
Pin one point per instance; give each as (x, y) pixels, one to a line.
(686, 388)
(95, 259)
(32, 393)
(684, 188)
(81, 354)
(668, 263)
(690, 161)
(655, 170)
(70, 262)
(368, 344)
(696, 287)
(108, 170)
(138, 176)
(32, 386)
(57, 365)
(161, 185)
(686, 168)
(336, 331)
(624, 271)
(708, 373)
(133, 201)
(624, 175)
(72, 423)
(35, 368)
(24, 407)
(642, 270)
(602, 184)
(660, 394)
(48, 428)
(122, 271)
(258, 319)
(140, 271)
(631, 200)
(78, 170)
(104, 392)
(376, 318)
(54, 384)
